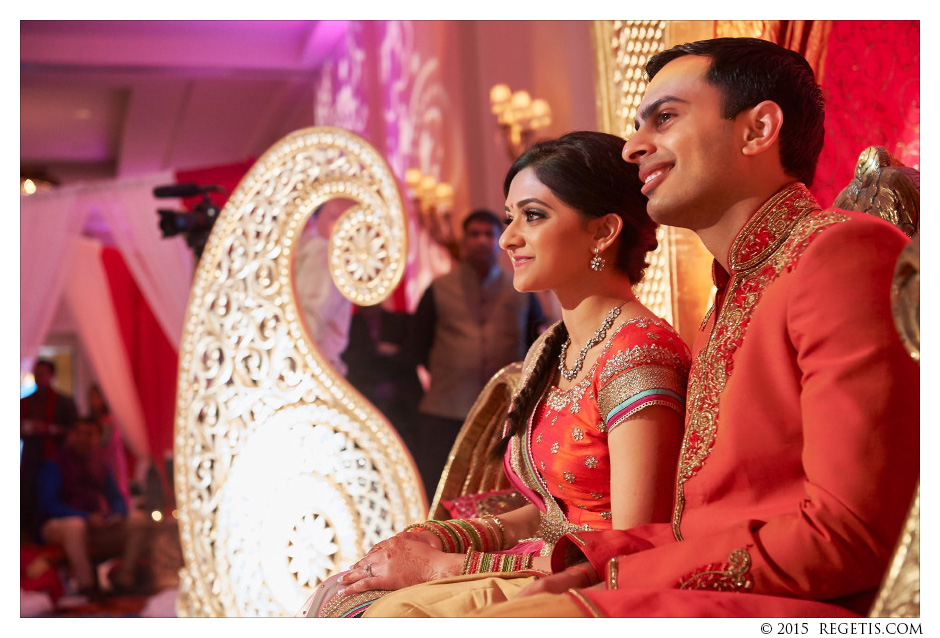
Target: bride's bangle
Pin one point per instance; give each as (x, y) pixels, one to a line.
(424, 526)
(499, 524)
(484, 562)
(466, 562)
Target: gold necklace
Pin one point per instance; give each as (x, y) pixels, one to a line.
(598, 337)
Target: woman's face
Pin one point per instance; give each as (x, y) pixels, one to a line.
(548, 242)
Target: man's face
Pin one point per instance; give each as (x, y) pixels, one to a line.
(42, 375)
(480, 244)
(689, 155)
(85, 437)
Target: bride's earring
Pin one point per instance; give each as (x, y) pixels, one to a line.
(597, 262)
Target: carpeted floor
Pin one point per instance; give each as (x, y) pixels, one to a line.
(160, 605)
(108, 607)
(43, 574)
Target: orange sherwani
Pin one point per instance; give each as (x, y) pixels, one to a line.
(801, 449)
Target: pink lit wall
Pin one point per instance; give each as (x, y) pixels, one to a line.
(419, 92)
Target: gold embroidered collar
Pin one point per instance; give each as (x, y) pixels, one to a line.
(770, 226)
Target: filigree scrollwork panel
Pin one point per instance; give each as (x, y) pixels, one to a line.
(284, 474)
(623, 48)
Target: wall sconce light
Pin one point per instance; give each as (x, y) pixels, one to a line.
(518, 116)
(434, 201)
(33, 180)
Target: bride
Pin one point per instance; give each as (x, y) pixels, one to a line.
(593, 434)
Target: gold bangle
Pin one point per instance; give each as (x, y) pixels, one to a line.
(612, 569)
(473, 534)
(499, 524)
(466, 562)
(454, 543)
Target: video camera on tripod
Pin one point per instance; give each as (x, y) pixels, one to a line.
(195, 224)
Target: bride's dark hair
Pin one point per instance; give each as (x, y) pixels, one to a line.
(586, 171)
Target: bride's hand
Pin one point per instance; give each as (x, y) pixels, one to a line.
(419, 535)
(401, 561)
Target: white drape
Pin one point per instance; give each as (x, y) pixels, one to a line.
(57, 262)
(49, 225)
(89, 300)
(162, 268)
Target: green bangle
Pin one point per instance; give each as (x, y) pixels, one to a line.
(454, 544)
(473, 534)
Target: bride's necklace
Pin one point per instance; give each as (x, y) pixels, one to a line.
(598, 337)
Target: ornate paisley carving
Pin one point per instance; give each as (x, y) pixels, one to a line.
(284, 474)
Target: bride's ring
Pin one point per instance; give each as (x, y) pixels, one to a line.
(369, 569)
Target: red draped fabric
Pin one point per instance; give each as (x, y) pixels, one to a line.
(809, 38)
(153, 359)
(869, 71)
(872, 88)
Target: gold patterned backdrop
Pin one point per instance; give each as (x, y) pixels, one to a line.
(677, 285)
(284, 473)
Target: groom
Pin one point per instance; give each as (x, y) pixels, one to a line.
(801, 449)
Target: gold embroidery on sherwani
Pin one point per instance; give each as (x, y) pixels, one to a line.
(613, 567)
(732, 576)
(771, 242)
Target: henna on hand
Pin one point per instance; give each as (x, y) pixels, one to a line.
(400, 562)
(420, 566)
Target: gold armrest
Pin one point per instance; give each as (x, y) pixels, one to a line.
(469, 468)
